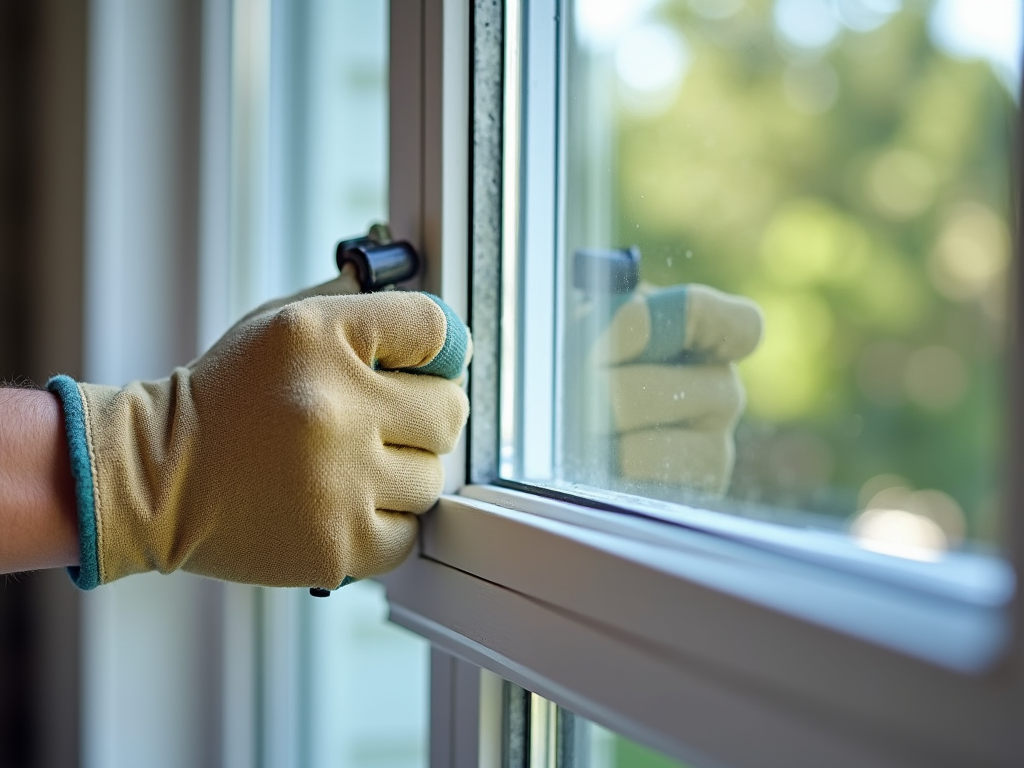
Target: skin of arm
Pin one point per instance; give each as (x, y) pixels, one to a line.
(38, 523)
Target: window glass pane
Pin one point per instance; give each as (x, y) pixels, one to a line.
(763, 261)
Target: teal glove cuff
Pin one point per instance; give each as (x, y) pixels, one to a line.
(667, 307)
(667, 337)
(87, 574)
(450, 362)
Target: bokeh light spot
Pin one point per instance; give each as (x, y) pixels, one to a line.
(783, 377)
(899, 533)
(879, 371)
(982, 29)
(875, 485)
(890, 296)
(811, 88)
(943, 509)
(901, 183)
(806, 23)
(971, 253)
(716, 9)
(896, 520)
(808, 241)
(601, 22)
(651, 59)
(936, 377)
(865, 15)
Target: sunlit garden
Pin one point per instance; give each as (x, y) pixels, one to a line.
(847, 164)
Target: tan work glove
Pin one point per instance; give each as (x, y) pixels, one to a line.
(659, 393)
(295, 452)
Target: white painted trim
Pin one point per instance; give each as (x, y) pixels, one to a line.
(971, 578)
(448, 259)
(802, 661)
(405, 117)
(606, 679)
(453, 173)
(455, 690)
(429, 141)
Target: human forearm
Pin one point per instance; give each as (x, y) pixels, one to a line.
(38, 527)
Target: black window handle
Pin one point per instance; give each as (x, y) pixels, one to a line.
(379, 261)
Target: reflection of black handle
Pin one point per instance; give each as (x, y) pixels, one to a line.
(378, 264)
(606, 270)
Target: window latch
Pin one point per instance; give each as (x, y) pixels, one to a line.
(380, 262)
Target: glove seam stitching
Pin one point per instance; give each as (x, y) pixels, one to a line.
(86, 409)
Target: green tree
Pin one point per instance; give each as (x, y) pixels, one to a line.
(861, 195)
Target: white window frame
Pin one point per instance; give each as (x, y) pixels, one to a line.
(707, 641)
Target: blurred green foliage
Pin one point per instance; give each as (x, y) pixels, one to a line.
(629, 754)
(861, 195)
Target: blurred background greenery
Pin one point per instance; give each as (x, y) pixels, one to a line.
(847, 164)
(629, 754)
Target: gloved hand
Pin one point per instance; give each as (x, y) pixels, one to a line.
(659, 384)
(295, 452)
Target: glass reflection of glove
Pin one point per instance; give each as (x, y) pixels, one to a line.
(666, 360)
(290, 454)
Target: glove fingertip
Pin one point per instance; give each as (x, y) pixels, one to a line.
(451, 361)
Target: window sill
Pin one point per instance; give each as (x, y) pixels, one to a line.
(545, 593)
